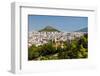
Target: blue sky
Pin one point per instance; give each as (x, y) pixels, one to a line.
(62, 23)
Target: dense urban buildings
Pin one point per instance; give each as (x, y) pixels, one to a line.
(40, 38)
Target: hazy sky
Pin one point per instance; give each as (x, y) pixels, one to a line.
(62, 23)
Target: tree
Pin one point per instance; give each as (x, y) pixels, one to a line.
(33, 52)
(83, 47)
(82, 52)
(47, 49)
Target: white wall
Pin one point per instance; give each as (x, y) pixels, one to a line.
(5, 33)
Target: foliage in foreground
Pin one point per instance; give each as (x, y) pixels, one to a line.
(76, 49)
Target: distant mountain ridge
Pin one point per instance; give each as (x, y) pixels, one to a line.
(82, 30)
(49, 29)
(52, 29)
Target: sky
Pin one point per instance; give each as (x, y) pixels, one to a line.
(62, 23)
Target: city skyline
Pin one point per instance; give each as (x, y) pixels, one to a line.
(62, 23)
